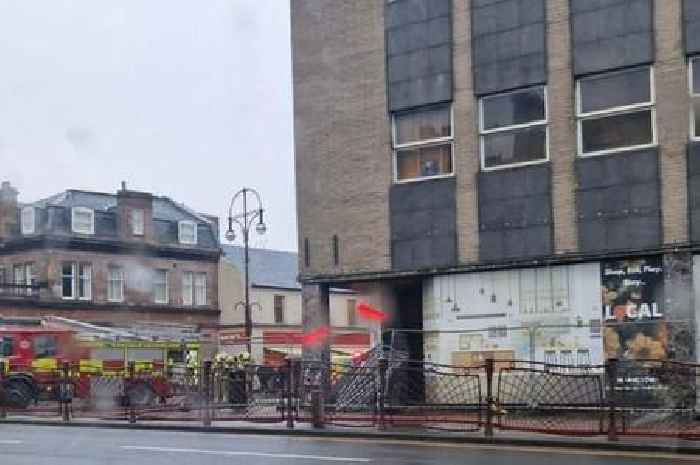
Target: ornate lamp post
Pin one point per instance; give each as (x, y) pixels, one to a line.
(245, 219)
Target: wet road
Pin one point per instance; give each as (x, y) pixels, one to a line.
(36, 445)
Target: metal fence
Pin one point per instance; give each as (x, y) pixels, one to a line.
(620, 398)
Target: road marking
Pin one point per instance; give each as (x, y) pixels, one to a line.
(248, 454)
(513, 448)
(10, 441)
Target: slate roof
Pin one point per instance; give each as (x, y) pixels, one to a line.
(163, 207)
(269, 268)
(166, 214)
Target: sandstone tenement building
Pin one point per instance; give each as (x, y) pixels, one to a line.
(114, 259)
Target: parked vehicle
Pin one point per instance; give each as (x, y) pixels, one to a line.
(37, 359)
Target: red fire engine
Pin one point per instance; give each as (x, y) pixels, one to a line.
(34, 358)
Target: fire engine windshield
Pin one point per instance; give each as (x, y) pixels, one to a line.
(6, 345)
(44, 346)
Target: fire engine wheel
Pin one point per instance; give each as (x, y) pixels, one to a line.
(141, 395)
(18, 394)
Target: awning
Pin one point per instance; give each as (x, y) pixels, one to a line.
(285, 350)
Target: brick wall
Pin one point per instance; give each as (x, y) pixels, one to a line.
(562, 126)
(672, 114)
(466, 139)
(342, 134)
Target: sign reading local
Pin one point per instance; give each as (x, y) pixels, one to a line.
(632, 289)
(632, 311)
(632, 304)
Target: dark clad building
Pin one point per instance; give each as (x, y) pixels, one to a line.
(441, 139)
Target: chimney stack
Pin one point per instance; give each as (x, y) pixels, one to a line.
(8, 210)
(134, 206)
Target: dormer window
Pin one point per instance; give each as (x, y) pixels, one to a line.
(137, 222)
(28, 220)
(187, 232)
(83, 220)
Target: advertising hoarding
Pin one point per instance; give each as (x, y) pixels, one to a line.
(632, 309)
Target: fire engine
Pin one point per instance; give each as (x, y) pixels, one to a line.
(34, 357)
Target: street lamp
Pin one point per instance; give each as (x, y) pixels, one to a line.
(245, 220)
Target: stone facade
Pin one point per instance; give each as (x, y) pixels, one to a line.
(342, 135)
(48, 248)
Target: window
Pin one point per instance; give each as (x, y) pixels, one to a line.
(115, 284)
(694, 70)
(28, 222)
(616, 111)
(583, 357)
(44, 346)
(279, 309)
(187, 232)
(18, 272)
(187, 286)
(336, 250)
(550, 357)
(160, 286)
(83, 220)
(68, 280)
(194, 288)
(137, 222)
(594, 326)
(7, 345)
(307, 252)
(76, 280)
(566, 357)
(200, 288)
(499, 331)
(84, 281)
(513, 128)
(423, 143)
(23, 275)
(352, 312)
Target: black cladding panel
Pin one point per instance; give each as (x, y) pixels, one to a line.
(423, 224)
(419, 53)
(609, 34)
(509, 44)
(694, 190)
(515, 213)
(691, 20)
(618, 201)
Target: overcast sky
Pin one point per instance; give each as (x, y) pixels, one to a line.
(185, 98)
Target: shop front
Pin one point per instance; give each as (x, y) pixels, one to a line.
(576, 314)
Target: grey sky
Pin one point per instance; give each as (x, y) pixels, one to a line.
(185, 98)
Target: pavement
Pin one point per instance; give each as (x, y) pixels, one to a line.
(43, 445)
